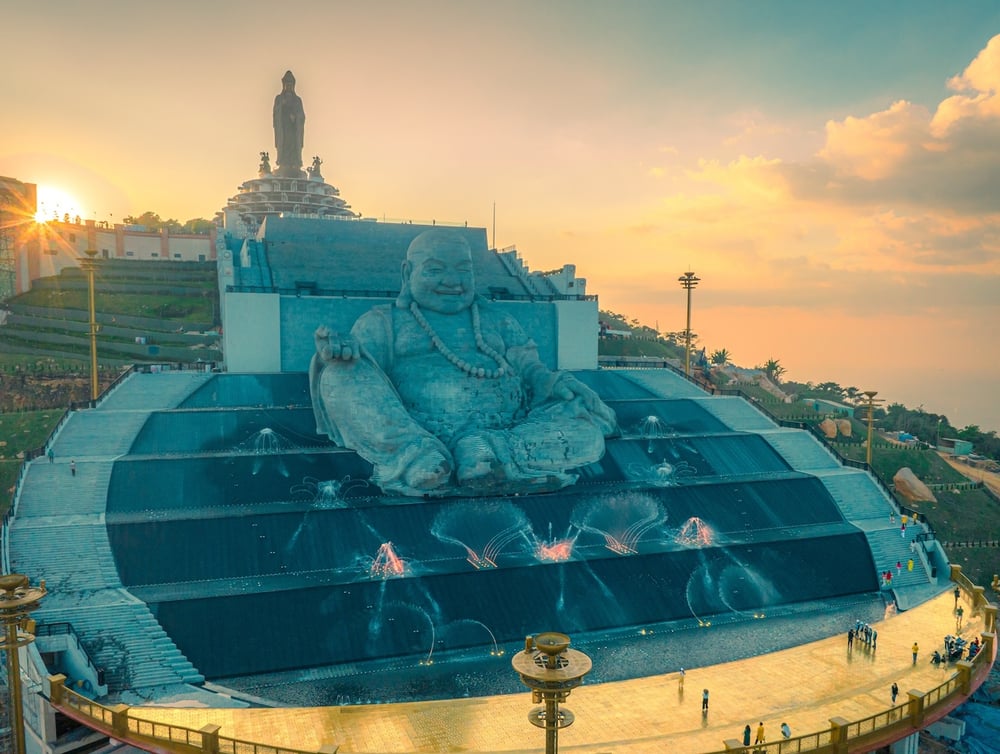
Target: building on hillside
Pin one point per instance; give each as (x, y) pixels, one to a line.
(18, 242)
(61, 243)
(954, 446)
(825, 406)
(32, 249)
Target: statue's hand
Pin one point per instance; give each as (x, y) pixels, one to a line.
(567, 387)
(334, 347)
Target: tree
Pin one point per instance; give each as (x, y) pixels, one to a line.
(720, 357)
(773, 369)
(152, 222)
(199, 226)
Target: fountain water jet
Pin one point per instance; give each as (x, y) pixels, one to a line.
(387, 564)
(619, 519)
(482, 529)
(266, 442)
(652, 428)
(663, 474)
(695, 533)
(495, 651)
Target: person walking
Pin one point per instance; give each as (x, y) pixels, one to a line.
(850, 638)
(915, 649)
(760, 734)
(894, 691)
(786, 732)
(72, 468)
(704, 700)
(52, 455)
(680, 680)
(957, 593)
(874, 639)
(958, 619)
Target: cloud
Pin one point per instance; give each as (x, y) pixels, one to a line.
(904, 190)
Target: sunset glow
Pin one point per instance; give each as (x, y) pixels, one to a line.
(830, 171)
(55, 204)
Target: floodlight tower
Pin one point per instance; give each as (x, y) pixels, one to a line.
(870, 395)
(89, 265)
(551, 670)
(17, 599)
(688, 281)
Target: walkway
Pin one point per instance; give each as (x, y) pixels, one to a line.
(805, 686)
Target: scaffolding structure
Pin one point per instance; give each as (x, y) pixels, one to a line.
(7, 259)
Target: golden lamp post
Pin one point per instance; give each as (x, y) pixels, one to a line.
(551, 670)
(870, 395)
(89, 265)
(688, 281)
(17, 599)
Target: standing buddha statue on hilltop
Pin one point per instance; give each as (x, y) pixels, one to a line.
(289, 128)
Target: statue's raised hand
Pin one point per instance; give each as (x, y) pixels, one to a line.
(332, 346)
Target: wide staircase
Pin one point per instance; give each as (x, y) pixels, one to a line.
(59, 536)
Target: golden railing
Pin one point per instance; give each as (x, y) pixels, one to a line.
(119, 723)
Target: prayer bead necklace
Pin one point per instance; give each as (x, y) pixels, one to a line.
(481, 345)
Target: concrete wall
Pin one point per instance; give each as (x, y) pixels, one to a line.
(251, 333)
(577, 326)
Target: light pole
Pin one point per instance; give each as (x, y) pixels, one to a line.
(89, 265)
(870, 394)
(17, 599)
(688, 281)
(551, 670)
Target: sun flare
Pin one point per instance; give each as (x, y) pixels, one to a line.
(56, 204)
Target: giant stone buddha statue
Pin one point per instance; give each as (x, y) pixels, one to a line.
(444, 393)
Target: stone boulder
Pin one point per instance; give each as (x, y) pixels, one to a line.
(845, 427)
(829, 428)
(909, 486)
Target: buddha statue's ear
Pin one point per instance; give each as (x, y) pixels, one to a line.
(405, 298)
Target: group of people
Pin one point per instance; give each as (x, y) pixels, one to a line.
(760, 738)
(887, 574)
(863, 633)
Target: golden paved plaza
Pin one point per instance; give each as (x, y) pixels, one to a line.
(804, 686)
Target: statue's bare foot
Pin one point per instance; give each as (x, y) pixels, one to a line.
(478, 464)
(428, 472)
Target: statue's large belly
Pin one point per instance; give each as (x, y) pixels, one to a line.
(450, 403)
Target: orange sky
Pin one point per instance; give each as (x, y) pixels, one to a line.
(832, 174)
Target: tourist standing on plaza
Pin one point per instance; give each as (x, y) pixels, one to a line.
(895, 691)
(958, 619)
(850, 638)
(72, 468)
(760, 733)
(957, 593)
(680, 680)
(786, 732)
(704, 700)
(746, 735)
(916, 648)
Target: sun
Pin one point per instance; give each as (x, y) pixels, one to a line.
(55, 204)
